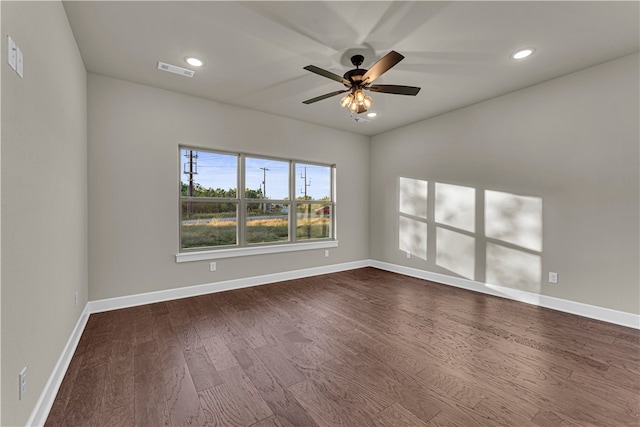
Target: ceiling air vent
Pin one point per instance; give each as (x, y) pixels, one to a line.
(176, 70)
(359, 119)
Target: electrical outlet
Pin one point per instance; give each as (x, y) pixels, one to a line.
(12, 53)
(19, 62)
(212, 266)
(408, 254)
(553, 277)
(76, 299)
(326, 253)
(22, 383)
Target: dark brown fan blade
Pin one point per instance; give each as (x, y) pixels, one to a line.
(327, 74)
(395, 89)
(325, 96)
(382, 66)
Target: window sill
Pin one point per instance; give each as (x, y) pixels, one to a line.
(256, 250)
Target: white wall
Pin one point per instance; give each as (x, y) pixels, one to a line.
(1, 32)
(570, 146)
(134, 132)
(44, 198)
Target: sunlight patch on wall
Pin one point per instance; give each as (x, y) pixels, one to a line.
(413, 197)
(511, 241)
(412, 206)
(513, 268)
(456, 252)
(514, 219)
(413, 237)
(455, 206)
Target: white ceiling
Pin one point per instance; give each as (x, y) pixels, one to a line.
(457, 52)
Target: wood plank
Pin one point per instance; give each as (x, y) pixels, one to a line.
(280, 400)
(285, 372)
(119, 385)
(202, 371)
(397, 416)
(150, 402)
(85, 401)
(574, 402)
(219, 353)
(611, 391)
(244, 394)
(121, 416)
(182, 398)
(397, 384)
(58, 409)
(326, 409)
(464, 391)
(272, 421)
(220, 408)
(546, 418)
(501, 412)
(345, 384)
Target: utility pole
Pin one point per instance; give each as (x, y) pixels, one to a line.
(264, 188)
(306, 185)
(264, 182)
(193, 170)
(304, 190)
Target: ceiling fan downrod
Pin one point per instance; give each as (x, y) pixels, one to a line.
(357, 60)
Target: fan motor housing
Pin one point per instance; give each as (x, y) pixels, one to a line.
(355, 76)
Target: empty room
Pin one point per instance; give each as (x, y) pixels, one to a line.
(331, 213)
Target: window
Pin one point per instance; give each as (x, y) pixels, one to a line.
(313, 204)
(280, 201)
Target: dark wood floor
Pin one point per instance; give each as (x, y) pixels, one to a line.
(358, 348)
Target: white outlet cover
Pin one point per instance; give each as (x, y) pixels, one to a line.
(22, 383)
(20, 62)
(12, 55)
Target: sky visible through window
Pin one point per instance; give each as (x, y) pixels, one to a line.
(215, 170)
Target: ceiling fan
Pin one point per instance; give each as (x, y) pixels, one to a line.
(358, 80)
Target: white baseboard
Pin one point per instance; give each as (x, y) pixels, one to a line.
(45, 401)
(594, 312)
(585, 310)
(227, 285)
(41, 410)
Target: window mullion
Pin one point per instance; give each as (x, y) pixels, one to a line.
(242, 206)
(333, 196)
(293, 217)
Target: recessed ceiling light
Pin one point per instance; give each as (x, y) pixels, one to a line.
(521, 54)
(372, 114)
(194, 61)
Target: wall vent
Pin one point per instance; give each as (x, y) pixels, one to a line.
(175, 69)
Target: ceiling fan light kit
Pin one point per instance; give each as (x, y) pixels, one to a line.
(358, 80)
(357, 101)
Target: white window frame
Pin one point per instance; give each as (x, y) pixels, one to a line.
(242, 248)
